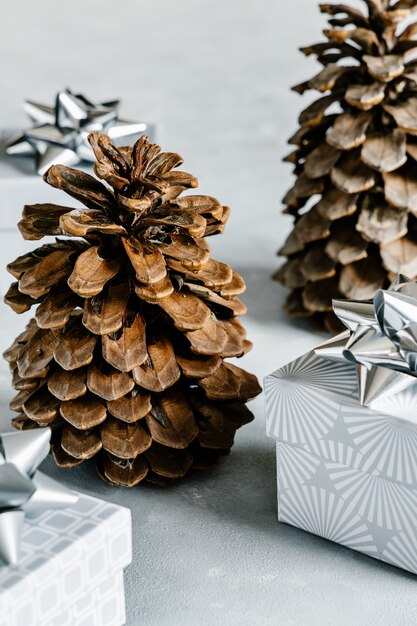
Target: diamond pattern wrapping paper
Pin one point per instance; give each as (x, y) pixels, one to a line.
(71, 568)
(345, 472)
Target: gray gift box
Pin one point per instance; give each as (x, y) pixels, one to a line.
(71, 568)
(346, 472)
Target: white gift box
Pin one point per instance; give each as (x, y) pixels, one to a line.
(345, 472)
(71, 568)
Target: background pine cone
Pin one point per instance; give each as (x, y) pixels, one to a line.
(355, 195)
(125, 357)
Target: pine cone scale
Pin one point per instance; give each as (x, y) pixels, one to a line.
(84, 413)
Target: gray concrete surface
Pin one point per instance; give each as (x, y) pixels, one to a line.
(215, 76)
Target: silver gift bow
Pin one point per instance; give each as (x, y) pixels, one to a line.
(23, 489)
(59, 133)
(381, 339)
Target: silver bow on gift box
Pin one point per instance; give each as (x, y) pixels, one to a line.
(381, 340)
(59, 133)
(23, 489)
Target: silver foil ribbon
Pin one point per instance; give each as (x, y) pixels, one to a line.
(23, 488)
(381, 339)
(59, 133)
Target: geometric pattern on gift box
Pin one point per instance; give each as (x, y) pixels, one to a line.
(382, 502)
(388, 445)
(323, 513)
(402, 550)
(296, 466)
(303, 413)
(313, 371)
(338, 452)
(104, 606)
(65, 556)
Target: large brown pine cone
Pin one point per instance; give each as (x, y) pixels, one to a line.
(355, 196)
(125, 357)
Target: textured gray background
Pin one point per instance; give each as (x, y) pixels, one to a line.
(214, 74)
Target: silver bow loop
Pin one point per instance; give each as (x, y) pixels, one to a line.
(27, 449)
(23, 488)
(48, 494)
(381, 340)
(355, 312)
(367, 346)
(394, 311)
(15, 487)
(59, 133)
(407, 345)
